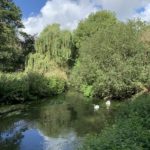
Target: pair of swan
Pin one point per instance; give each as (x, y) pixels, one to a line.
(108, 103)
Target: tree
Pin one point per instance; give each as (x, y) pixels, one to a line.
(53, 51)
(112, 62)
(10, 22)
(55, 43)
(95, 22)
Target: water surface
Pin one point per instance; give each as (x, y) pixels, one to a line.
(46, 126)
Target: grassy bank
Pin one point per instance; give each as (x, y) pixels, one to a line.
(130, 131)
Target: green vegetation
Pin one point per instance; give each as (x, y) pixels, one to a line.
(44, 69)
(12, 51)
(55, 43)
(95, 22)
(21, 87)
(115, 61)
(53, 51)
(130, 130)
(103, 57)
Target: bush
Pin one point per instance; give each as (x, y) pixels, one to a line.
(130, 131)
(18, 87)
(87, 90)
(13, 87)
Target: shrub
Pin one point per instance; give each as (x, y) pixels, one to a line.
(87, 90)
(18, 87)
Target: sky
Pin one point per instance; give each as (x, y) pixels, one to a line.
(37, 14)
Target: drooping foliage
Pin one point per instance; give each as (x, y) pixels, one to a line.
(54, 43)
(113, 62)
(42, 64)
(53, 51)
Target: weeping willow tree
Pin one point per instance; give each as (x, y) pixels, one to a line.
(53, 51)
(55, 43)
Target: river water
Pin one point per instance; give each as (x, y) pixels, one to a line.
(59, 123)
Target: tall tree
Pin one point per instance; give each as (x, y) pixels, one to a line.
(10, 22)
(91, 25)
(114, 61)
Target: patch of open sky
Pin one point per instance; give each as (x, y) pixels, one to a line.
(97, 6)
(30, 7)
(140, 10)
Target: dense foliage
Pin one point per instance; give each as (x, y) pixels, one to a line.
(114, 62)
(129, 132)
(54, 45)
(21, 87)
(12, 50)
(10, 20)
(53, 55)
(95, 22)
(108, 58)
(103, 58)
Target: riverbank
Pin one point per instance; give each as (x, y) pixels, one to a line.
(130, 129)
(22, 87)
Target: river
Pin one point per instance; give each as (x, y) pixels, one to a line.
(59, 123)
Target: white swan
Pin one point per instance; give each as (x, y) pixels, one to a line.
(96, 107)
(108, 103)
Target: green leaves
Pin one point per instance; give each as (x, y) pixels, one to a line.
(10, 48)
(95, 22)
(55, 43)
(130, 130)
(20, 87)
(10, 14)
(112, 59)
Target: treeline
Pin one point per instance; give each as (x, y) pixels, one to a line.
(20, 82)
(103, 57)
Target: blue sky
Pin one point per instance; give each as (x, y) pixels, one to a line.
(30, 7)
(37, 14)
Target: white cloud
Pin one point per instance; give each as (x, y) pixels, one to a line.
(145, 15)
(69, 12)
(60, 142)
(65, 12)
(124, 9)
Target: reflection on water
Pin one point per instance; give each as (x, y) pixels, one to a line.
(44, 126)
